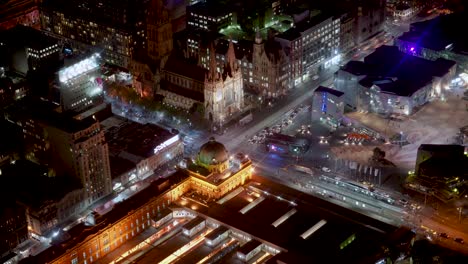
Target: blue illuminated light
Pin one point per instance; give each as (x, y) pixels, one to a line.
(324, 102)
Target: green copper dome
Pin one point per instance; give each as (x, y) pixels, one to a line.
(212, 153)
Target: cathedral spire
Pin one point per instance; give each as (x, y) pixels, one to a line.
(258, 37)
(156, 6)
(213, 71)
(231, 57)
(157, 12)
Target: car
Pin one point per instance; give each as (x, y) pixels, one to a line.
(459, 240)
(315, 77)
(325, 169)
(443, 235)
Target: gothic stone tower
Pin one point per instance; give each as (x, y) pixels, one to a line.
(224, 90)
(158, 31)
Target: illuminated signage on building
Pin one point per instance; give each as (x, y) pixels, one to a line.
(79, 68)
(166, 144)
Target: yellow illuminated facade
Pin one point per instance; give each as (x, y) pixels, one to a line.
(213, 175)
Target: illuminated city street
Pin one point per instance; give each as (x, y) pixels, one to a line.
(234, 131)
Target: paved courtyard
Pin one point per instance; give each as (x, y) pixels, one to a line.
(437, 122)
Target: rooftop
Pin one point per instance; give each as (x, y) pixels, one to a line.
(178, 66)
(179, 90)
(329, 90)
(242, 48)
(300, 232)
(440, 32)
(40, 187)
(45, 111)
(23, 36)
(122, 14)
(396, 72)
(127, 137)
(299, 28)
(80, 233)
(210, 9)
(447, 149)
(445, 168)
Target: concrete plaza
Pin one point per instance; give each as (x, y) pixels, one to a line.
(438, 122)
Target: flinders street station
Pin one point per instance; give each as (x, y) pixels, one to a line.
(213, 209)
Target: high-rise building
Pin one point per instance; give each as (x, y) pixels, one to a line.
(208, 16)
(158, 31)
(347, 34)
(27, 49)
(45, 201)
(311, 46)
(116, 27)
(67, 145)
(369, 18)
(80, 84)
(13, 225)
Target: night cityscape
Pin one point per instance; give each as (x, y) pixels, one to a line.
(233, 131)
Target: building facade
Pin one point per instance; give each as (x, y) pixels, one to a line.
(115, 27)
(347, 39)
(81, 85)
(13, 226)
(311, 46)
(218, 89)
(146, 76)
(270, 68)
(370, 18)
(199, 48)
(223, 89)
(66, 145)
(209, 16)
(375, 86)
(147, 209)
(24, 49)
(137, 150)
(328, 106)
(158, 31)
(182, 84)
(84, 154)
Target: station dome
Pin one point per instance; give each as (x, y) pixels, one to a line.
(212, 153)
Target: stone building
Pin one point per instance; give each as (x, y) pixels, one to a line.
(213, 175)
(224, 90)
(270, 68)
